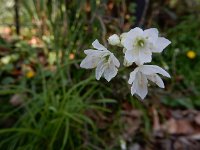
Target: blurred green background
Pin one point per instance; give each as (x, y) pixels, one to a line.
(49, 103)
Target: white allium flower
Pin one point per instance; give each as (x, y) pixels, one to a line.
(114, 40)
(140, 44)
(140, 76)
(103, 60)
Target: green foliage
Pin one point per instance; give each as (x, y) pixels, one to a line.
(51, 119)
(6, 11)
(185, 71)
(55, 100)
(51, 113)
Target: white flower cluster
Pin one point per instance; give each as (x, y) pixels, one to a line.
(138, 46)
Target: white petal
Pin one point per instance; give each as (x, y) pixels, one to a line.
(89, 62)
(133, 88)
(135, 32)
(100, 69)
(132, 76)
(110, 72)
(98, 46)
(94, 53)
(151, 33)
(131, 55)
(139, 86)
(160, 44)
(156, 79)
(89, 51)
(152, 69)
(145, 56)
(127, 43)
(114, 60)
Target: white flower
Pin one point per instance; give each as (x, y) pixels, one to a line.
(140, 76)
(114, 40)
(103, 60)
(140, 44)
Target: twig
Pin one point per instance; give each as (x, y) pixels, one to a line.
(17, 24)
(141, 22)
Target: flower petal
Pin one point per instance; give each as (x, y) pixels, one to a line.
(139, 86)
(151, 33)
(134, 32)
(133, 88)
(100, 69)
(145, 56)
(98, 46)
(156, 79)
(94, 53)
(127, 43)
(161, 44)
(110, 72)
(131, 55)
(89, 62)
(152, 69)
(114, 60)
(133, 76)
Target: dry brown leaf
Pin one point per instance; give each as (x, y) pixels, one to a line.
(16, 100)
(173, 126)
(131, 120)
(197, 119)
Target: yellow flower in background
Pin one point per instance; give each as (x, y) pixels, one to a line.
(191, 54)
(30, 74)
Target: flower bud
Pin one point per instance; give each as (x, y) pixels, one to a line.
(122, 37)
(126, 63)
(114, 40)
(124, 50)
